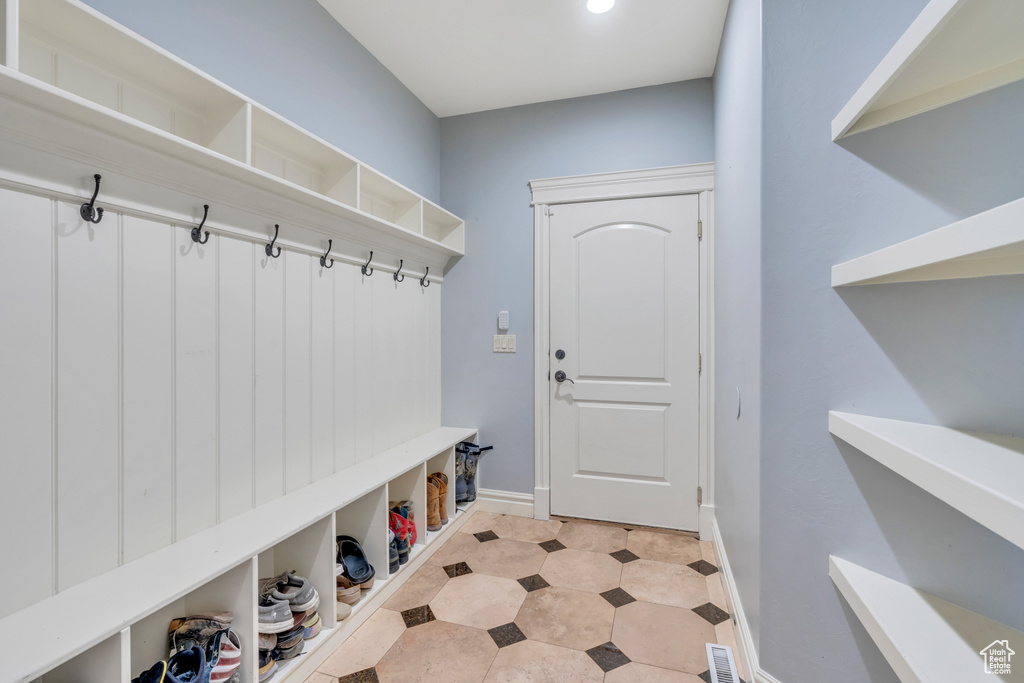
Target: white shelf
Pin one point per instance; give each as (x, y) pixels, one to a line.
(94, 88)
(954, 49)
(83, 616)
(989, 243)
(924, 639)
(981, 475)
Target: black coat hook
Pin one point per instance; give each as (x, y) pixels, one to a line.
(270, 247)
(398, 277)
(423, 280)
(197, 232)
(367, 270)
(90, 212)
(323, 259)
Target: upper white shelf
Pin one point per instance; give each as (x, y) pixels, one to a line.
(924, 639)
(989, 243)
(67, 59)
(979, 474)
(84, 615)
(954, 49)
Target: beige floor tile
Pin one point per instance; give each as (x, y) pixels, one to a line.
(582, 570)
(419, 589)
(565, 617)
(641, 630)
(479, 521)
(716, 593)
(478, 600)
(663, 547)
(530, 661)
(321, 678)
(596, 538)
(510, 559)
(526, 529)
(455, 549)
(367, 645)
(707, 551)
(635, 672)
(438, 651)
(666, 584)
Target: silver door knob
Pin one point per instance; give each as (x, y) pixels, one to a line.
(560, 377)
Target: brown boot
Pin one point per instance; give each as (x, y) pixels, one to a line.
(441, 482)
(433, 507)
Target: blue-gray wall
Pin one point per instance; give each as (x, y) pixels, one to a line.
(295, 59)
(737, 247)
(486, 161)
(941, 352)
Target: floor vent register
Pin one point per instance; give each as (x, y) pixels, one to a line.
(721, 663)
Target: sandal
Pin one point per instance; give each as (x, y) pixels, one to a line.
(356, 569)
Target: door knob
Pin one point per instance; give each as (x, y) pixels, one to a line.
(560, 377)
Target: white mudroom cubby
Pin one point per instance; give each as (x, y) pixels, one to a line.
(233, 591)
(412, 486)
(443, 462)
(103, 663)
(366, 520)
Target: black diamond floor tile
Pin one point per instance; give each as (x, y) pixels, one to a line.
(608, 657)
(508, 634)
(618, 597)
(484, 536)
(703, 567)
(712, 613)
(706, 676)
(552, 545)
(460, 569)
(533, 583)
(364, 676)
(417, 616)
(624, 556)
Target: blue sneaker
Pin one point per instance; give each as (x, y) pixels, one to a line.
(154, 675)
(188, 666)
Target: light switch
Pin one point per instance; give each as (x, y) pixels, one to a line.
(504, 343)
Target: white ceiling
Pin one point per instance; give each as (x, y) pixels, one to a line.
(462, 56)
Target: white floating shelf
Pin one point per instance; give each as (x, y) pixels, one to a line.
(924, 639)
(979, 474)
(954, 49)
(989, 243)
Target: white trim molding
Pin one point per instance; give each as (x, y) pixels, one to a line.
(747, 653)
(505, 502)
(656, 182)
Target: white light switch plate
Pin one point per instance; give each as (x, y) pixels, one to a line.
(504, 343)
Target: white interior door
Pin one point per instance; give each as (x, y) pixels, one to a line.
(624, 308)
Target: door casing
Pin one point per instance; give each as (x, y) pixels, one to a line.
(549, 192)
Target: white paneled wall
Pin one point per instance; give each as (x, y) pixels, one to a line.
(153, 387)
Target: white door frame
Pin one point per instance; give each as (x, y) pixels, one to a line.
(657, 182)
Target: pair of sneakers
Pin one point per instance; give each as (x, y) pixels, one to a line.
(403, 526)
(280, 597)
(193, 666)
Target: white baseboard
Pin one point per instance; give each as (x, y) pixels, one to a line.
(541, 502)
(505, 502)
(748, 653)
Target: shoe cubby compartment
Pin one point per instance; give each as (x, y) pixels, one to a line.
(443, 462)
(443, 227)
(412, 485)
(366, 520)
(102, 663)
(286, 151)
(233, 591)
(310, 554)
(384, 198)
(76, 49)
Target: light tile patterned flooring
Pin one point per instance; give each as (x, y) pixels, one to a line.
(516, 599)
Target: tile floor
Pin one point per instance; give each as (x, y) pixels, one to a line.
(516, 599)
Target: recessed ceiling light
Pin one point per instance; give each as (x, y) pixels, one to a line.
(599, 6)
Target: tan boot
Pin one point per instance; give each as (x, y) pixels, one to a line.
(433, 507)
(441, 482)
